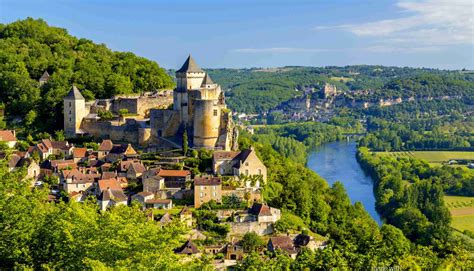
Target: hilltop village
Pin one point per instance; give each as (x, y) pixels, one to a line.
(142, 157)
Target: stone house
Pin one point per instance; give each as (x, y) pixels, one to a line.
(8, 137)
(153, 184)
(244, 163)
(304, 240)
(175, 178)
(109, 198)
(186, 216)
(284, 243)
(104, 148)
(132, 169)
(32, 168)
(79, 154)
(47, 147)
(189, 248)
(149, 200)
(120, 152)
(76, 181)
(207, 189)
(234, 251)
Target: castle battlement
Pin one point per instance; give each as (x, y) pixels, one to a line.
(198, 108)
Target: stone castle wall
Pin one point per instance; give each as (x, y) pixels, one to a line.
(129, 131)
(140, 105)
(241, 228)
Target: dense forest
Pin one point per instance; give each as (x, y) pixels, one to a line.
(409, 194)
(258, 90)
(30, 47)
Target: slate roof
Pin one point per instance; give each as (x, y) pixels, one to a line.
(166, 218)
(284, 243)
(138, 167)
(13, 162)
(7, 135)
(207, 80)
(207, 181)
(115, 195)
(185, 211)
(259, 209)
(75, 94)
(44, 77)
(190, 66)
(188, 248)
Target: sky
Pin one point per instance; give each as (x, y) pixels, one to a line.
(264, 33)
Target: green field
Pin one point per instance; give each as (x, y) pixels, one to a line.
(434, 158)
(462, 212)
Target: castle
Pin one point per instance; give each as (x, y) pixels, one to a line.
(196, 106)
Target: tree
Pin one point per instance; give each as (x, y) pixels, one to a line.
(185, 143)
(251, 242)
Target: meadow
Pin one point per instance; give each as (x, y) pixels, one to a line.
(462, 212)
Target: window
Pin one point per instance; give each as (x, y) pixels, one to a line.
(70, 119)
(214, 194)
(70, 112)
(259, 171)
(246, 164)
(201, 195)
(247, 172)
(214, 187)
(202, 188)
(70, 104)
(215, 112)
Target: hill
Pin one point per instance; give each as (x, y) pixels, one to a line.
(30, 47)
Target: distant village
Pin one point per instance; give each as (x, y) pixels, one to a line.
(116, 171)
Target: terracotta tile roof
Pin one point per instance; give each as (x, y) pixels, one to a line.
(79, 152)
(173, 173)
(188, 248)
(158, 201)
(79, 177)
(7, 135)
(112, 184)
(207, 181)
(106, 145)
(144, 194)
(225, 155)
(138, 167)
(62, 145)
(108, 175)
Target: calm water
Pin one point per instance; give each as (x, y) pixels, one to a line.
(336, 161)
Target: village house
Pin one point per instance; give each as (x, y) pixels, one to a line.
(234, 251)
(189, 248)
(47, 147)
(284, 243)
(186, 216)
(150, 200)
(244, 163)
(104, 148)
(109, 198)
(79, 154)
(8, 137)
(304, 240)
(32, 168)
(207, 189)
(132, 169)
(76, 181)
(120, 152)
(175, 178)
(260, 218)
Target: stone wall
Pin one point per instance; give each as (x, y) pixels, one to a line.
(241, 228)
(127, 132)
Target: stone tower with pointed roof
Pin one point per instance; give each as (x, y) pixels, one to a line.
(199, 108)
(74, 112)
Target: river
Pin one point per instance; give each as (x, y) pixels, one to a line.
(336, 161)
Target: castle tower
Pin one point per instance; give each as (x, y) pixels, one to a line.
(74, 112)
(207, 114)
(189, 77)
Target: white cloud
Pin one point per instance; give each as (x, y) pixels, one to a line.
(429, 22)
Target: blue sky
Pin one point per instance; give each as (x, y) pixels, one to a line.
(263, 33)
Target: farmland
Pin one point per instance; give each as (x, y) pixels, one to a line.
(462, 212)
(435, 158)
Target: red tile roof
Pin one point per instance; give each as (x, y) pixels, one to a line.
(112, 184)
(174, 173)
(7, 135)
(79, 152)
(106, 145)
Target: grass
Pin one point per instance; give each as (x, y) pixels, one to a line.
(462, 212)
